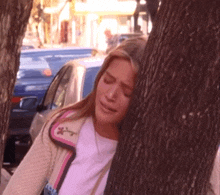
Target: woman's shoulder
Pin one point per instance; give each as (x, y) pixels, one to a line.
(68, 113)
(63, 114)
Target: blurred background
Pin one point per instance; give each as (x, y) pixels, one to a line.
(84, 22)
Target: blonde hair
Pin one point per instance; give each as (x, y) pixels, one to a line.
(130, 49)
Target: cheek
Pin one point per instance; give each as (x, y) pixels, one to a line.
(99, 89)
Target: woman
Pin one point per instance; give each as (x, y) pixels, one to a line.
(73, 152)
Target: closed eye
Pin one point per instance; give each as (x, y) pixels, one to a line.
(108, 78)
(127, 90)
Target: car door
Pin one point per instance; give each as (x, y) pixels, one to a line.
(53, 99)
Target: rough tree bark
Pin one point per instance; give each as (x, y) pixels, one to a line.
(171, 133)
(152, 7)
(14, 15)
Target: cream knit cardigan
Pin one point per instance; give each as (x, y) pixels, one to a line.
(43, 162)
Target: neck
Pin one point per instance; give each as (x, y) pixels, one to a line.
(109, 131)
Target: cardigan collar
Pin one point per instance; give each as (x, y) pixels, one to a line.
(66, 134)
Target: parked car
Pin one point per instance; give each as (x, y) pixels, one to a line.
(37, 69)
(56, 57)
(33, 78)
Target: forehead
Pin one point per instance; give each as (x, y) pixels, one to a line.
(121, 69)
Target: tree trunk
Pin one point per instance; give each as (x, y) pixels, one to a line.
(14, 15)
(170, 137)
(152, 7)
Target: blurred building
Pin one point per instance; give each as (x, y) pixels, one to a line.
(83, 22)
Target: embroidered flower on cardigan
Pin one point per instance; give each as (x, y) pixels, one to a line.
(62, 130)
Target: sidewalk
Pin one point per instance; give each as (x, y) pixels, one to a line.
(5, 176)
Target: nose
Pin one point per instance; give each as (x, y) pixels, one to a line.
(112, 93)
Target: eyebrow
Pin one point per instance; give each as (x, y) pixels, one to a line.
(122, 83)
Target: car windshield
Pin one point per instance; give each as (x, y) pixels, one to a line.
(89, 80)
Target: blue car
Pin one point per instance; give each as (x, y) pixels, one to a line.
(33, 79)
(56, 57)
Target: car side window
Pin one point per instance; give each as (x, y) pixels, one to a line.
(89, 80)
(55, 95)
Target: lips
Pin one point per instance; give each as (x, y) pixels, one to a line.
(106, 108)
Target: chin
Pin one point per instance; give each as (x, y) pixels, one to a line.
(105, 118)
